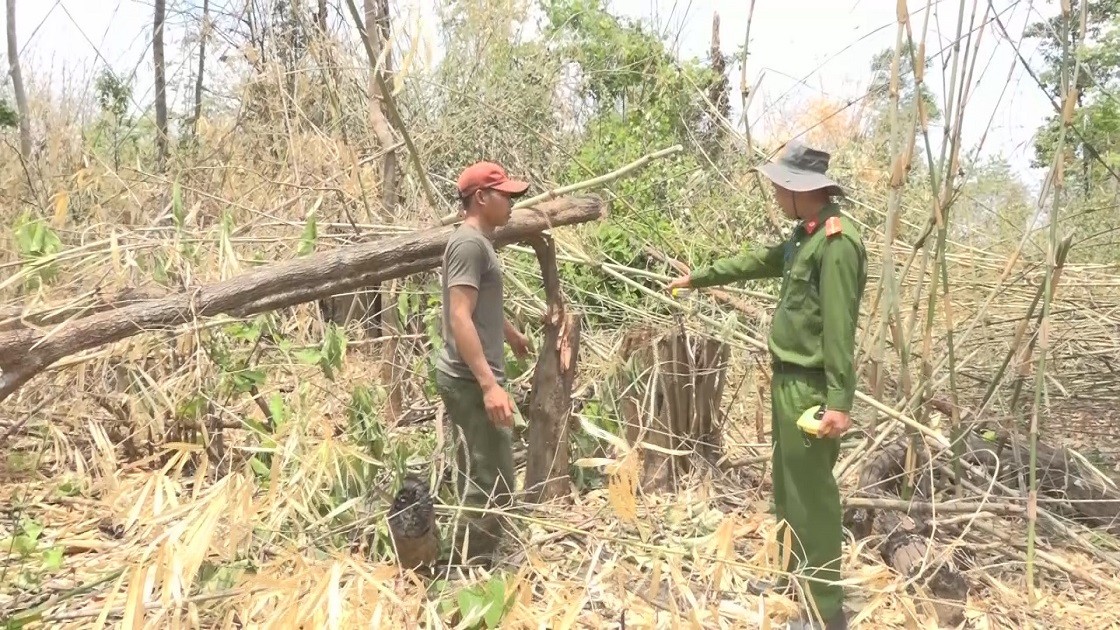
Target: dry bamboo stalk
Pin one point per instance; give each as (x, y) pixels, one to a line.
(953, 507)
(1051, 263)
(394, 115)
(1053, 560)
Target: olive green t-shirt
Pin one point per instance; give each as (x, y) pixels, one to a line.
(470, 260)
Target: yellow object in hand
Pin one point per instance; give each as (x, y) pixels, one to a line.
(810, 420)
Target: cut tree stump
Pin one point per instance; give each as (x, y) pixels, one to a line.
(670, 401)
(26, 353)
(550, 403)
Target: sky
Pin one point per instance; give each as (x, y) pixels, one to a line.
(799, 49)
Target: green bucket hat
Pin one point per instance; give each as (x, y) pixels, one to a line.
(801, 169)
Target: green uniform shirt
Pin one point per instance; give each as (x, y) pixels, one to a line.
(823, 279)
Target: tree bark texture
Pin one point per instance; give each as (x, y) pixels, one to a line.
(17, 84)
(550, 404)
(198, 80)
(26, 353)
(671, 400)
(161, 84)
(907, 544)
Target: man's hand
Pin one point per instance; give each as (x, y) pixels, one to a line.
(499, 407)
(680, 282)
(519, 343)
(834, 424)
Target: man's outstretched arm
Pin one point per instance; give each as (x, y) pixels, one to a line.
(750, 265)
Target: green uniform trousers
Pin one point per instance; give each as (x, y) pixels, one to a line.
(805, 493)
(484, 468)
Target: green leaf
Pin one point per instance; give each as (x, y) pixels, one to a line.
(497, 592)
(52, 559)
(177, 213)
(243, 331)
(245, 380)
(69, 488)
(309, 237)
(23, 545)
(334, 350)
(310, 357)
(31, 528)
(278, 408)
(259, 467)
(470, 605)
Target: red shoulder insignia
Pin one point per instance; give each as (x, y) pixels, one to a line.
(832, 226)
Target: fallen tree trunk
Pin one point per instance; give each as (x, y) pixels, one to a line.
(906, 545)
(14, 317)
(26, 353)
(550, 404)
(1061, 476)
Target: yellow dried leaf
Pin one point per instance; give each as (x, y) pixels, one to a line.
(621, 487)
(334, 597)
(134, 604)
(61, 208)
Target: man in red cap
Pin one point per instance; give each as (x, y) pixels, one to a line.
(470, 370)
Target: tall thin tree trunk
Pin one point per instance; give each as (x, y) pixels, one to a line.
(201, 67)
(161, 85)
(17, 85)
(377, 30)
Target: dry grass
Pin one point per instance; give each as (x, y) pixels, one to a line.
(149, 545)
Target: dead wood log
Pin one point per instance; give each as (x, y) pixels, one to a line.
(14, 317)
(26, 353)
(906, 546)
(670, 401)
(550, 404)
(1061, 476)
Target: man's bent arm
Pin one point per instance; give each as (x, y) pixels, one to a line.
(750, 265)
(839, 287)
(463, 299)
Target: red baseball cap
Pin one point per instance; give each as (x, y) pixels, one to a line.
(488, 175)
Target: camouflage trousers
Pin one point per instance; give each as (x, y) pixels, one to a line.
(484, 477)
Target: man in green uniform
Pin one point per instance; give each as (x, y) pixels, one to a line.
(470, 372)
(823, 269)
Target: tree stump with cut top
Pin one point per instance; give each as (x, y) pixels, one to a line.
(669, 393)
